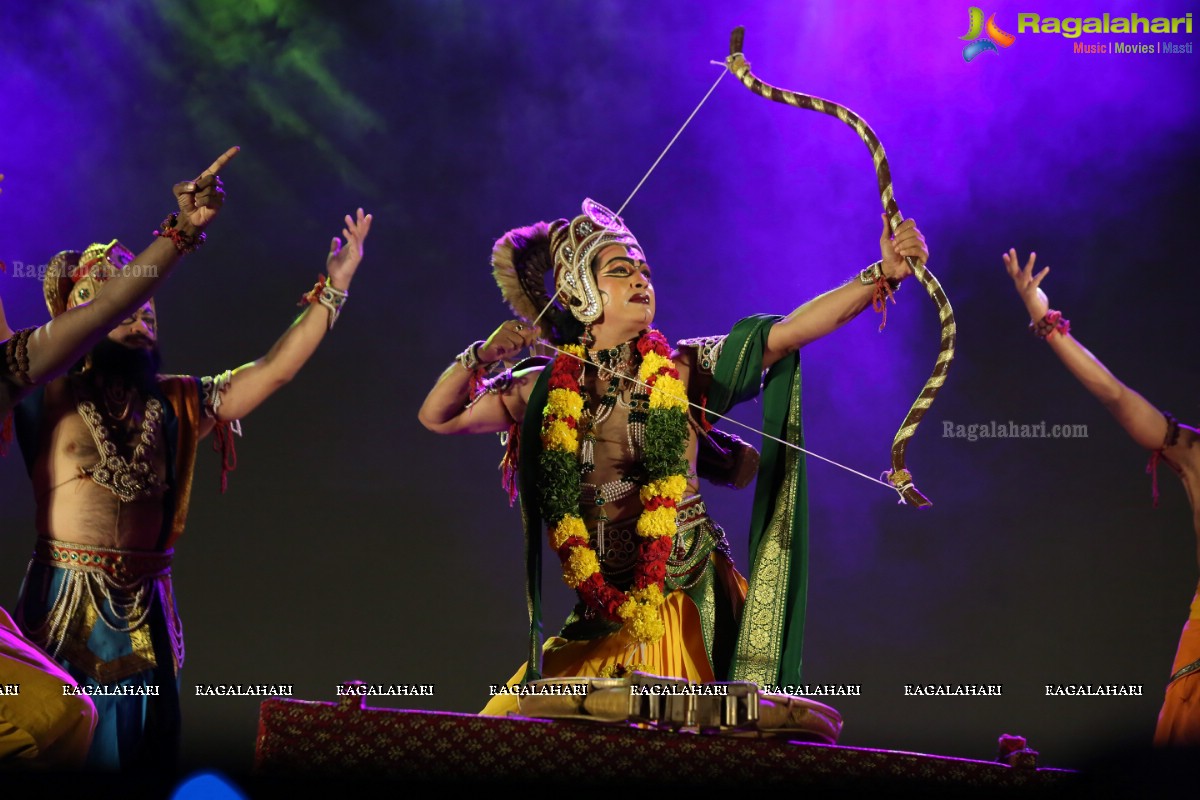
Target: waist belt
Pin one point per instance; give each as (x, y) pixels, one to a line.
(125, 567)
(696, 536)
(1186, 669)
(112, 588)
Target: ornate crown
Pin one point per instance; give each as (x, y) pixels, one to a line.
(574, 244)
(73, 278)
(523, 257)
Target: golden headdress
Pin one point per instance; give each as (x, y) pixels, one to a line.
(522, 258)
(73, 278)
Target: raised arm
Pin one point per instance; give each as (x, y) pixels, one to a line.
(1140, 419)
(251, 384)
(448, 408)
(827, 312)
(52, 348)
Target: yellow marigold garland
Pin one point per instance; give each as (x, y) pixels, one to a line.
(666, 439)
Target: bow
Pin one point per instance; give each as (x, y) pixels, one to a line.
(898, 476)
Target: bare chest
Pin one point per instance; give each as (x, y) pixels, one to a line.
(614, 444)
(123, 452)
(101, 472)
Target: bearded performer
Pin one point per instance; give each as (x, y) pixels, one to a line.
(47, 725)
(110, 449)
(1178, 446)
(603, 448)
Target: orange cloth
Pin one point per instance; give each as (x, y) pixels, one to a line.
(39, 725)
(1179, 719)
(679, 653)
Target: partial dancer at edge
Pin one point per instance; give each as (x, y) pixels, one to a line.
(1178, 446)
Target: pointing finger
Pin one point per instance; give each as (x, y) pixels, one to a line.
(221, 161)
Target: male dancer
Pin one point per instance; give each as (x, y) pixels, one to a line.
(608, 439)
(45, 724)
(110, 450)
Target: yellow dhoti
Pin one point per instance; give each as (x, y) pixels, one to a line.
(1179, 719)
(680, 653)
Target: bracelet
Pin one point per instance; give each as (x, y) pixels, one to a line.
(1172, 437)
(184, 242)
(469, 358)
(333, 299)
(872, 275)
(326, 294)
(16, 356)
(1053, 321)
(885, 289)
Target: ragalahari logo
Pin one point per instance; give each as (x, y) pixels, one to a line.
(995, 36)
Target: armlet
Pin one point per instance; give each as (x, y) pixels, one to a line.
(708, 350)
(16, 358)
(212, 390)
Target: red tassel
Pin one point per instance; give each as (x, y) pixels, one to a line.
(311, 297)
(705, 425)
(477, 382)
(6, 434)
(223, 444)
(1152, 470)
(883, 293)
(508, 464)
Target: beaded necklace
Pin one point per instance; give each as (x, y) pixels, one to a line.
(131, 478)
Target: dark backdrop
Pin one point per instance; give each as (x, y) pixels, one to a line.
(354, 544)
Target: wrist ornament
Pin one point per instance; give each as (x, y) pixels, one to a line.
(885, 288)
(469, 358)
(1053, 321)
(326, 294)
(477, 370)
(874, 274)
(185, 241)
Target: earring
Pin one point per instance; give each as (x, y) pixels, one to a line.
(587, 339)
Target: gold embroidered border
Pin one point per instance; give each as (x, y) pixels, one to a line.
(75, 650)
(760, 637)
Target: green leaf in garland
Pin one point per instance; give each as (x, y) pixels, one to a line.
(666, 436)
(559, 485)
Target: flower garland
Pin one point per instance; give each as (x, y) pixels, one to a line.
(663, 471)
